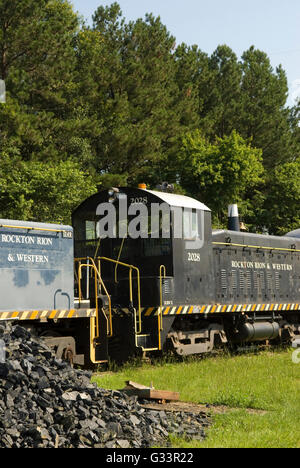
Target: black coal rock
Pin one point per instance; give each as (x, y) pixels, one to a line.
(44, 403)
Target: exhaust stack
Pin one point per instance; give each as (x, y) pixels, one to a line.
(233, 218)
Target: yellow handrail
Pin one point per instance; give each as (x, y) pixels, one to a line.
(162, 274)
(131, 267)
(118, 259)
(254, 246)
(98, 247)
(87, 265)
(101, 284)
(29, 228)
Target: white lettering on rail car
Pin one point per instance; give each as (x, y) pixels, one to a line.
(261, 265)
(32, 258)
(13, 239)
(29, 240)
(194, 257)
(23, 258)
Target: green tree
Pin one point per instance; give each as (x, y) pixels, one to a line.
(39, 192)
(282, 212)
(43, 131)
(265, 118)
(220, 173)
(37, 62)
(221, 91)
(142, 108)
(294, 121)
(34, 37)
(190, 65)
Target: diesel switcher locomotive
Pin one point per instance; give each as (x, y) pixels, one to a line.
(150, 275)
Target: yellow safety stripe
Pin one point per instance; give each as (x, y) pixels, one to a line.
(48, 314)
(152, 311)
(218, 309)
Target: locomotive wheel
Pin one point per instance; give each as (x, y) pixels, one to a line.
(68, 355)
(63, 346)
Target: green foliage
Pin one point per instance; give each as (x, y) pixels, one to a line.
(283, 201)
(112, 180)
(265, 117)
(36, 191)
(119, 103)
(222, 93)
(220, 173)
(142, 105)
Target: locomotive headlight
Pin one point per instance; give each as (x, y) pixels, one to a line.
(113, 193)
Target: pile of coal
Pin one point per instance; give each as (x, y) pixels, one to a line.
(45, 403)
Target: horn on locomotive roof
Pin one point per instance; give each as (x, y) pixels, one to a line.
(233, 218)
(165, 187)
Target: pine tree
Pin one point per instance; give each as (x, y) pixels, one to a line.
(265, 118)
(143, 108)
(221, 91)
(37, 63)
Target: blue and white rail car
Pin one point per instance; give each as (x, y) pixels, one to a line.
(36, 266)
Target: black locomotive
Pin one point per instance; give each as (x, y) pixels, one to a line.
(150, 276)
(166, 280)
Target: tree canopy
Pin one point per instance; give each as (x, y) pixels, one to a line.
(120, 102)
(226, 170)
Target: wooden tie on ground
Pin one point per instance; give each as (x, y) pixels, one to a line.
(150, 393)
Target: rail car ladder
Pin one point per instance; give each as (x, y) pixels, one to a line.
(152, 341)
(145, 340)
(101, 321)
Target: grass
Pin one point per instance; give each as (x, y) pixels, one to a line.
(269, 381)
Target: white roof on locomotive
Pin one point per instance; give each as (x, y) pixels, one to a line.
(179, 200)
(293, 234)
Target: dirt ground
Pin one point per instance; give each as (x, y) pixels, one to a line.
(192, 407)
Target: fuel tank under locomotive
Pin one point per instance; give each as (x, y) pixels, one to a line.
(258, 331)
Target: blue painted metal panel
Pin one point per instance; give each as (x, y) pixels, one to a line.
(36, 266)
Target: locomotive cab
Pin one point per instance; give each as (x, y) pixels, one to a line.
(153, 251)
(166, 237)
